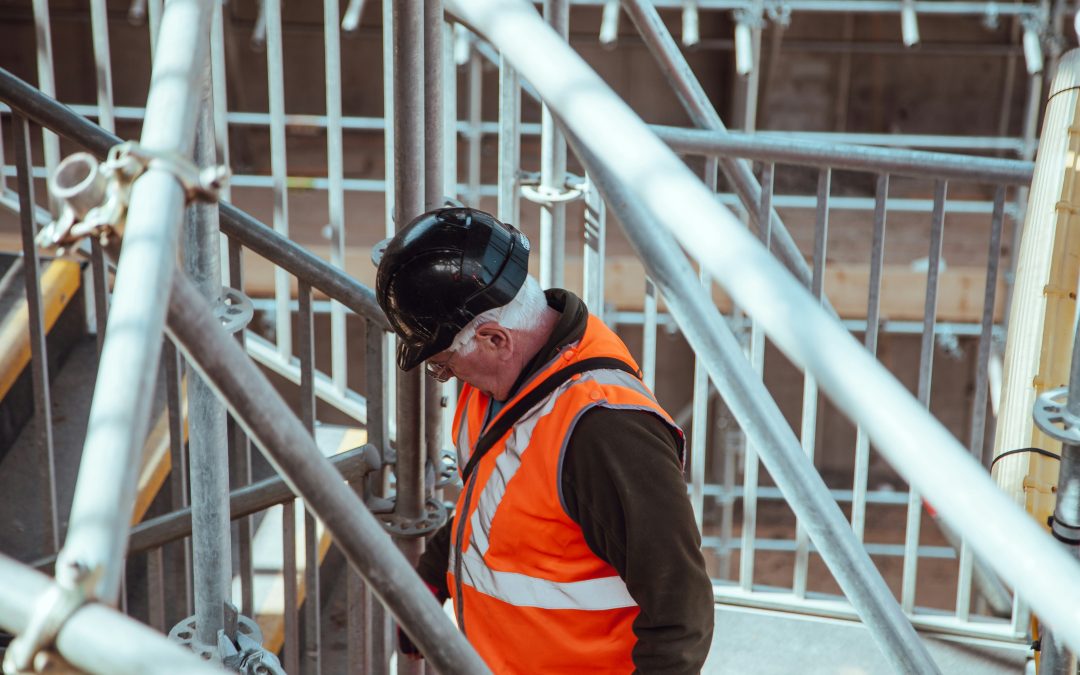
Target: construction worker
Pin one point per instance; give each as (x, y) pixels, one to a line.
(573, 547)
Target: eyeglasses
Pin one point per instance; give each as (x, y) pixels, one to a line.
(441, 372)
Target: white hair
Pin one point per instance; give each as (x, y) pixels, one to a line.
(522, 313)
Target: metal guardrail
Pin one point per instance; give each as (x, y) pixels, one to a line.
(918, 446)
(195, 329)
(312, 273)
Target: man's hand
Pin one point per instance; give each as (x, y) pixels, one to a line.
(405, 644)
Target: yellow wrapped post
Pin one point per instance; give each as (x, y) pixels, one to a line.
(1041, 323)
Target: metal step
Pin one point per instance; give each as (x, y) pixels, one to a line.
(21, 479)
(766, 642)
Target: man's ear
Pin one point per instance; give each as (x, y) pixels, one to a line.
(495, 335)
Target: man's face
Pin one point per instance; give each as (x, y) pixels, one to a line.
(484, 364)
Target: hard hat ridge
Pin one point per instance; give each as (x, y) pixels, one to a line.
(442, 270)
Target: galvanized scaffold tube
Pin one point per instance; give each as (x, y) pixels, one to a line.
(1056, 659)
(120, 410)
(916, 444)
(95, 638)
(409, 198)
(267, 419)
(434, 193)
(553, 172)
(208, 456)
(409, 174)
(745, 394)
(696, 102)
(897, 161)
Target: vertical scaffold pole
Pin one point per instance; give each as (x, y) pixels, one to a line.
(120, 410)
(207, 435)
(409, 193)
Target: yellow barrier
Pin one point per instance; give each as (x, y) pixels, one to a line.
(59, 282)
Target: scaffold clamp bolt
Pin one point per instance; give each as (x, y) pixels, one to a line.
(95, 196)
(26, 652)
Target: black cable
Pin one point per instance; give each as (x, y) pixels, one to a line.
(1037, 451)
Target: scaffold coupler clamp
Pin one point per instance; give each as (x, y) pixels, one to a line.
(532, 190)
(238, 648)
(247, 656)
(28, 653)
(446, 469)
(234, 310)
(95, 196)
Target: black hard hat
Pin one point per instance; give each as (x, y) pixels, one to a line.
(441, 271)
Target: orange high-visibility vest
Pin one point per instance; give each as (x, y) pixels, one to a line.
(528, 592)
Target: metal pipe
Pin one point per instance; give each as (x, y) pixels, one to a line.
(648, 338)
(178, 473)
(926, 370)
(916, 444)
(268, 420)
(999, 143)
(335, 170)
(353, 465)
(39, 353)
(120, 411)
(155, 9)
(553, 171)
(305, 344)
(766, 146)
(301, 263)
(474, 109)
(95, 639)
(275, 73)
(100, 33)
(47, 83)
(693, 98)
(207, 433)
(808, 425)
(944, 8)
(240, 452)
(388, 113)
(410, 192)
(594, 253)
(375, 383)
(756, 356)
(450, 121)
(996, 596)
(434, 195)
(870, 339)
(1065, 526)
(509, 143)
(220, 95)
(758, 415)
(290, 589)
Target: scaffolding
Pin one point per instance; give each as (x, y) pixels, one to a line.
(676, 221)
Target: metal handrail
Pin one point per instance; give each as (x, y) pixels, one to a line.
(235, 223)
(768, 147)
(667, 193)
(167, 528)
(264, 415)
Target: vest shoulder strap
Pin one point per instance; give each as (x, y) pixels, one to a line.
(539, 393)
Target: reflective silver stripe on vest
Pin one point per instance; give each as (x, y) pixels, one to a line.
(621, 378)
(463, 447)
(506, 465)
(525, 591)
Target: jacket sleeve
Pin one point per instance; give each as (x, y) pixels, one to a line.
(622, 483)
(435, 560)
